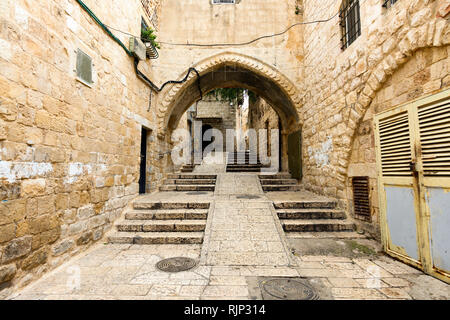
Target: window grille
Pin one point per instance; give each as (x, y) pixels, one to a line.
(350, 22)
(361, 199)
(146, 5)
(388, 3)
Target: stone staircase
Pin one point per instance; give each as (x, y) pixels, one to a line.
(162, 223)
(278, 182)
(189, 182)
(244, 161)
(314, 219)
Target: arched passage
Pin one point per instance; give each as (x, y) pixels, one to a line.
(234, 70)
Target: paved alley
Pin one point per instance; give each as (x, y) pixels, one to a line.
(244, 244)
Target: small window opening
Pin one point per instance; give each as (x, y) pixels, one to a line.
(350, 22)
(84, 68)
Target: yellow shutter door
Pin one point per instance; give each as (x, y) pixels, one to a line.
(413, 156)
(433, 118)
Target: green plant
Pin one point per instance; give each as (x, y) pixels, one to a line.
(148, 35)
(231, 95)
(297, 10)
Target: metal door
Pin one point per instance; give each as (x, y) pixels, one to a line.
(413, 156)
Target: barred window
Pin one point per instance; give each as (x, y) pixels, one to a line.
(350, 22)
(146, 5)
(152, 16)
(388, 3)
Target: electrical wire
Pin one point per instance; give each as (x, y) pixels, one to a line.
(136, 60)
(159, 89)
(236, 44)
(104, 27)
(247, 42)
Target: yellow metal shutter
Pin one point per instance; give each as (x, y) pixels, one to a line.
(395, 145)
(434, 125)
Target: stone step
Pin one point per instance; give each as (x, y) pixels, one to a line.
(278, 182)
(243, 169)
(325, 235)
(281, 175)
(187, 187)
(199, 214)
(246, 165)
(187, 169)
(161, 226)
(272, 188)
(310, 214)
(143, 205)
(323, 204)
(191, 176)
(190, 181)
(156, 237)
(317, 225)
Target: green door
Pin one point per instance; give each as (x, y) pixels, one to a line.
(295, 154)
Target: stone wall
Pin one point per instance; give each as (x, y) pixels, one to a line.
(69, 153)
(219, 115)
(340, 85)
(427, 72)
(201, 22)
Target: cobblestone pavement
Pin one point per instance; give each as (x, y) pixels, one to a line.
(243, 230)
(243, 241)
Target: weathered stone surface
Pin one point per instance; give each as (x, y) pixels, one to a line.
(7, 272)
(35, 259)
(72, 151)
(84, 238)
(62, 247)
(33, 187)
(7, 232)
(17, 248)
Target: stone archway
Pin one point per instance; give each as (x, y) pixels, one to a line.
(233, 70)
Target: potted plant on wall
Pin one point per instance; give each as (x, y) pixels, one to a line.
(148, 36)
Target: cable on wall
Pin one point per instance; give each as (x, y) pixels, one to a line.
(140, 75)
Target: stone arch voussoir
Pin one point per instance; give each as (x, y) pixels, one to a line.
(170, 95)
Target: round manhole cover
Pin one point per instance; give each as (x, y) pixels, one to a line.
(194, 193)
(177, 264)
(288, 289)
(248, 197)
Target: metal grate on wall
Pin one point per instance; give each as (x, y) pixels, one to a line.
(388, 3)
(146, 5)
(361, 199)
(350, 22)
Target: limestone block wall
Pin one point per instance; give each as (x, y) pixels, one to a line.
(340, 85)
(69, 153)
(219, 115)
(427, 72)
(201, 22)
